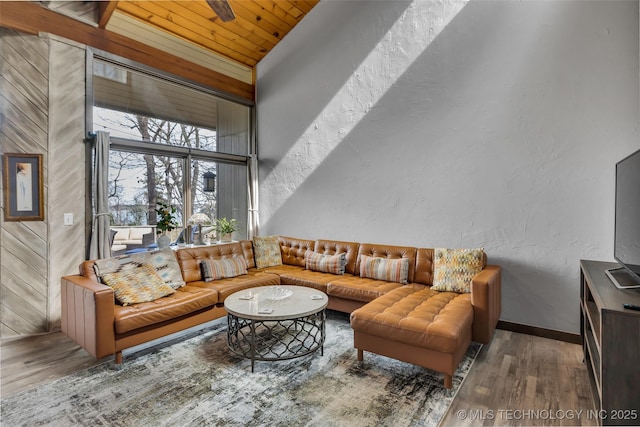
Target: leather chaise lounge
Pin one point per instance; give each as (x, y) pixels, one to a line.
(409, 322)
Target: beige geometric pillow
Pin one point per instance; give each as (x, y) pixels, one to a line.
(136, 285)
(453, 269)
(164, 261)
(266, 251)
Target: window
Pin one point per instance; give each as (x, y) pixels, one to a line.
(165, 136)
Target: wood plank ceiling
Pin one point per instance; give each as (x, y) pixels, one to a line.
(259, 25)
(182, 37)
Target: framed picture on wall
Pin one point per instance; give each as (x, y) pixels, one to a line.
(23, 200)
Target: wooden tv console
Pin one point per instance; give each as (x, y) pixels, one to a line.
(611, 343)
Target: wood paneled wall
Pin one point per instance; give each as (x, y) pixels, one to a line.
(25, 98)
(41, 111)
(66, 166)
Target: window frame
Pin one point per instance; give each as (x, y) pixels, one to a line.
(185, 154)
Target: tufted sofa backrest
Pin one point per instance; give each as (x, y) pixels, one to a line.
(391, 252)
(424, 266)
(293, 250)
(189, 258)
(332, 247)
(247, 250)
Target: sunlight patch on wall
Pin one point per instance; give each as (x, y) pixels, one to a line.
(405, 41)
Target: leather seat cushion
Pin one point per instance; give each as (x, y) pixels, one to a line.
(186, 300)
(359, 288)
(226, 287)
(312, 279)
(283, 269)
(416, 315)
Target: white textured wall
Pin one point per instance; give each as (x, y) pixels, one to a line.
(493, 124)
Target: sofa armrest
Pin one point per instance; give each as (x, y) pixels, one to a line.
(88, 314)
(486, 298)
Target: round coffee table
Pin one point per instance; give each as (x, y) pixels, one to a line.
(261, 327)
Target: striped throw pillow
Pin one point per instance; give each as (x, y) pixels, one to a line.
(215, 269)
(453, 269)
(389, 270)
(324, 263)
(136, 285)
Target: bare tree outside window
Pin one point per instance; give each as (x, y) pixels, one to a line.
(164, 131)
(139, 181)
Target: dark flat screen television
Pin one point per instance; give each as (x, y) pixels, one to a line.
(627, 224)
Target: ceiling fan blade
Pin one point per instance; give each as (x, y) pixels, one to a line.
(222, 9)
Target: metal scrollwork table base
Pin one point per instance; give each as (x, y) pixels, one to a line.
(295, 327)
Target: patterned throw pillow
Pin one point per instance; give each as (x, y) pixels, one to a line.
(136, 285)
(334, 264)
(164, 261)
(453, 269)
(267, 251)
(389, 270)
(214, 269)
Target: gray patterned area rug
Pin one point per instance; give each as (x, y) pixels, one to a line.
(198, 382)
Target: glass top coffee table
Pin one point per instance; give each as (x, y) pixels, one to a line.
(276, 322)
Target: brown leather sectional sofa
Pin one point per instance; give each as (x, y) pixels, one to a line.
(408, 322)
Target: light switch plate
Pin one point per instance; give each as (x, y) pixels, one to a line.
(68, 219)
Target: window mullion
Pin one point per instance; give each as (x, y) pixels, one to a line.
(143, 147)
(186, 189)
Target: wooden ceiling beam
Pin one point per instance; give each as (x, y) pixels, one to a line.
(106, 9)
(30, 18)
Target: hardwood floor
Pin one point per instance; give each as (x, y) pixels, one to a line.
(520, 380)
(516, 380)
(29, 361)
